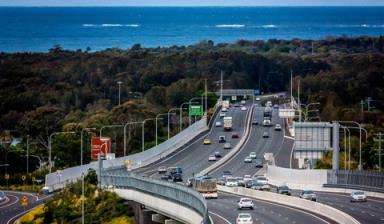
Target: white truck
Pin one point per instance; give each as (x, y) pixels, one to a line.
(227, 123)
(225, 104)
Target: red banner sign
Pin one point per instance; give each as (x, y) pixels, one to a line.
(100, 145)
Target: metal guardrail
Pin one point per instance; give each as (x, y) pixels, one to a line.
(169, 191)
(355, 179)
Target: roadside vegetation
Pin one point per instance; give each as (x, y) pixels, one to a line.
(42, 93)
(65, 207)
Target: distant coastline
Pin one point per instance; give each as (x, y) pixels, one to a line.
(37, 29)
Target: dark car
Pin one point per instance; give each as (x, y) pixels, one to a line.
(177, 177)
(255, 122)
(249, 183)
(240, 181)
(227, 174)
(258, 163)
(235, 135)
(222, 139)
(265, 135)
(221, 181)
(283, 190)
(217, 154)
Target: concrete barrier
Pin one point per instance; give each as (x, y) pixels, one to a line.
(306, 205)
(235, 149)
(57, 180)
(162, 206)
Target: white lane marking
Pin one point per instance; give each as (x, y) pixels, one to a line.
(276, 204)
(23, 193)
(289, 137)
(5, 201)
(347, 196)
(221, 217)
(17, 199)
(21, 213)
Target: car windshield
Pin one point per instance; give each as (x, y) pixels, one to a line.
(227, 173)
(283, 188)
(243, 216)
(246, 200)
(358, 193)
(261, 178)
(308, 192)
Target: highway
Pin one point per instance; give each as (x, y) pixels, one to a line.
(12, 210)
(194, 157)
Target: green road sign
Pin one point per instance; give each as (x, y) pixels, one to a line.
(195, 110)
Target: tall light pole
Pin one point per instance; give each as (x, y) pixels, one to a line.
(206, 97)
(125, 133)
(142, 132)
(189, 112)
(50, 146)
(360, 128)
(27, 154)
(82, 171)
(157, 118)
(181, 115)
(169, 118)
(119, 83)
(110, 126)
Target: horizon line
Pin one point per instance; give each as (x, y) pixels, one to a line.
(196, 6)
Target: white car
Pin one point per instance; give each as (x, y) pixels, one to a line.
(244, 218)
(231, 182)
(247, 178)
(212, 158)
(162, 169)
(222, 115)
(245, 203)
(257, 98)
(308, 194)
(262, 180)
(252, 155)
(358, 196)
(243, 108)
(248, 159)
(218, 124)
(224, 109)
(277, 127)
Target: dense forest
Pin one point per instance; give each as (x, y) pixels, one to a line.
(62, 90)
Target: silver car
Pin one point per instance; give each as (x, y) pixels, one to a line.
(227, 145)
(308, 194)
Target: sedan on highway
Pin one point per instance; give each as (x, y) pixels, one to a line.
(227, 174)
(265, 135)
(212, 158)
(162, 169)
(227, 145)
(243, 108)
(258, 163)
(277, 127)
(218, 124)
(217, 154)
(222, 139)
(248, 159)
(283, 190)
(308, 194)
(220, 181)
(222, 114)
(235, 135)
(245, 203)
(262, 180)
(255, 122)
(358, 196)
(252, 155)
(259, 186)
(244, 218)
(231, 182)
(207, 141)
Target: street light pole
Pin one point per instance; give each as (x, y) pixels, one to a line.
(82, 171)
(125, 133)
(181, 115)
(156, 123)
(50, 146)
(169, 113)
(119, 83)
(27, 154)
(206, 97)
(360, 128)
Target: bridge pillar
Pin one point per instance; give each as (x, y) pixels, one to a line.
(171, 221)
(158, 218)
(142, 215)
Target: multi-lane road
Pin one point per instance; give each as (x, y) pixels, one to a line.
(11, 209)
(194, 158)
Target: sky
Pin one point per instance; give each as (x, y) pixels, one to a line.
(191, 2)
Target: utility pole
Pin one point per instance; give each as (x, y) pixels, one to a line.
(312, 47)
(291, 89)
(221, 86)
(206, 97)
(298, 99)
(379, 140)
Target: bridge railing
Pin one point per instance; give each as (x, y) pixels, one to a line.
(169, 191)
(356, 179)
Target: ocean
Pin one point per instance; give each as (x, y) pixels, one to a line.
(36, 29)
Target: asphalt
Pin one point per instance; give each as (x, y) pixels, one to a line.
(224, 210)
(13, 209)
